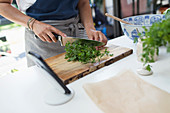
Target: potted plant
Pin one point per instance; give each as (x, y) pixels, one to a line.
(158, 35)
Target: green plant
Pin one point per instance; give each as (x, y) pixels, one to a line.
(158, 35)
(83, 52)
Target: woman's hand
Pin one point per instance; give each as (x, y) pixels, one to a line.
(96, 35)
(45, 31)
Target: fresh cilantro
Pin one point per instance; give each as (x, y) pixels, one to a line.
(83, 52)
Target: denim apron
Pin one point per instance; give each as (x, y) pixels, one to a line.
(53, 9)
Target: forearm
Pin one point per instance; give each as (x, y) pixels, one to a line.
(13, 14)
(85, 14)
(87, 20)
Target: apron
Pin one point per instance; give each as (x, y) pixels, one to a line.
(71, 27)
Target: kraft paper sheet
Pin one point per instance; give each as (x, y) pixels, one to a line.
(127, 93)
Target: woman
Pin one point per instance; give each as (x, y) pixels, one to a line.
(46, 18)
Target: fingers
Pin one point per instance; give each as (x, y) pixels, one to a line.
(99, 36)
(91, 37)
(47, 38)
(56, 31)
(53, 38)
(45, 32)
(103, 39)
(42, 38)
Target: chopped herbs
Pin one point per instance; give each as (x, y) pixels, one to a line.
(83, 52)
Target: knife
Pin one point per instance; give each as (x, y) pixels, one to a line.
(64, 40)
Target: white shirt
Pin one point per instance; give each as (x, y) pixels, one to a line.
(23, 5)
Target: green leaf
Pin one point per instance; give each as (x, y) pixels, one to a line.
(111, 55)
(135, 40)
(168, 48)
(148, 67)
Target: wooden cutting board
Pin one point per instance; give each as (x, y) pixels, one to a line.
(71, 71)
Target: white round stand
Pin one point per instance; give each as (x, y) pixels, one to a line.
(144, 72)
(55, 97)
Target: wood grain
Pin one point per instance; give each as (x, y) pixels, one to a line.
(71, 71)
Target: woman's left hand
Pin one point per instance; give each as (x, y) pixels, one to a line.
(96, 35)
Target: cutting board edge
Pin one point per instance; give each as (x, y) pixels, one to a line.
(80, 75)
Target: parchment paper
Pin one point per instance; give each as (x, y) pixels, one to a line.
(127, 93)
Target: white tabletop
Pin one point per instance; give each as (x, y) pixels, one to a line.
(23, 91)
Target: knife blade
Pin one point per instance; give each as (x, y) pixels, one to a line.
(64, 40)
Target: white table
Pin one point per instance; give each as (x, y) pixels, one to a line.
(23, 91)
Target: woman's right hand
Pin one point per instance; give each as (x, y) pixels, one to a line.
(45, 31)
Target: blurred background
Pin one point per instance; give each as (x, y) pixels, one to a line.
(12, 48)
